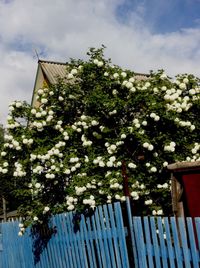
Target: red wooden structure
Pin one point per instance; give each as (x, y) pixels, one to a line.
(185, 178)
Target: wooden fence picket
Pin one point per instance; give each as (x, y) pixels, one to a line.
(170, 249)
(194, 252)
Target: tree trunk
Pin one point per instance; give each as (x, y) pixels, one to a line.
(125, 180)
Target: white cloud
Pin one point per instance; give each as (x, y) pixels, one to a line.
(65, 29)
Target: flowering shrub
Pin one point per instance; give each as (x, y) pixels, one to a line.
(68, 154)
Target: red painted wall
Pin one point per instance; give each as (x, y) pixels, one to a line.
(191, 184)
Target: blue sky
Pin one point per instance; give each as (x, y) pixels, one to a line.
(162, 16)
(140, 35)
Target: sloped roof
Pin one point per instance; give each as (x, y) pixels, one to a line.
(52, 70)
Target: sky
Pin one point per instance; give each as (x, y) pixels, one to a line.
(140, 35)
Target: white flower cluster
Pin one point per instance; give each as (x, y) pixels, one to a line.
(115, 75)
(22, 229)
(58, 126)
(196, 148)
(172, 94)
(4, 168)
(17, 104)
(80, 190)
(154, 116)
(115, 185)
(163, 75)
(76, 164)
(98, 62)
(113, 112)
(135, 195)
(19, 172)
(85, 141)
(91, 185)
(111, 162)
(35, 218)
(136, 123)
(165, 164)
(66, 135)
(109, 199)
(38, 169)
(148, 202)
(46, 209)
(129, 84)
(77, 126)
(111, 148)
(163, 186)
(13, 144)
(120, 198)
(178, 103)
(151, 168)
(132, 165)
(170, 147)
(71, 202)
(99, 161)
(72, 73)
(39, 125)
(27, 141)
(11, 124)
(185, 124)
(90, 201)
(157, 212)
(50, 116)
(148, 146)
(137, 185)
(195, 152)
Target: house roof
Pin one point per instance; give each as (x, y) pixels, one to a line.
(52, 70)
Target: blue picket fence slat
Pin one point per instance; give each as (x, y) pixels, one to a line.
(161, 236)
(193, 248)
(170, 249)
(102, 242)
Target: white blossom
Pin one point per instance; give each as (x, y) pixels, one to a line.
(132, 165)
(46, 209)
(153, 169)
(148, 202)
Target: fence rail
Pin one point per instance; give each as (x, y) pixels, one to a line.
(104, 241)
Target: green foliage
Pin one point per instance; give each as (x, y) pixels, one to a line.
(67, 154)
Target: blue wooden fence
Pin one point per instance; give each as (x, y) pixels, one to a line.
(103, 242)
(164, 242)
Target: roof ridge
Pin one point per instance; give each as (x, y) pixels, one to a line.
(52, 62)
